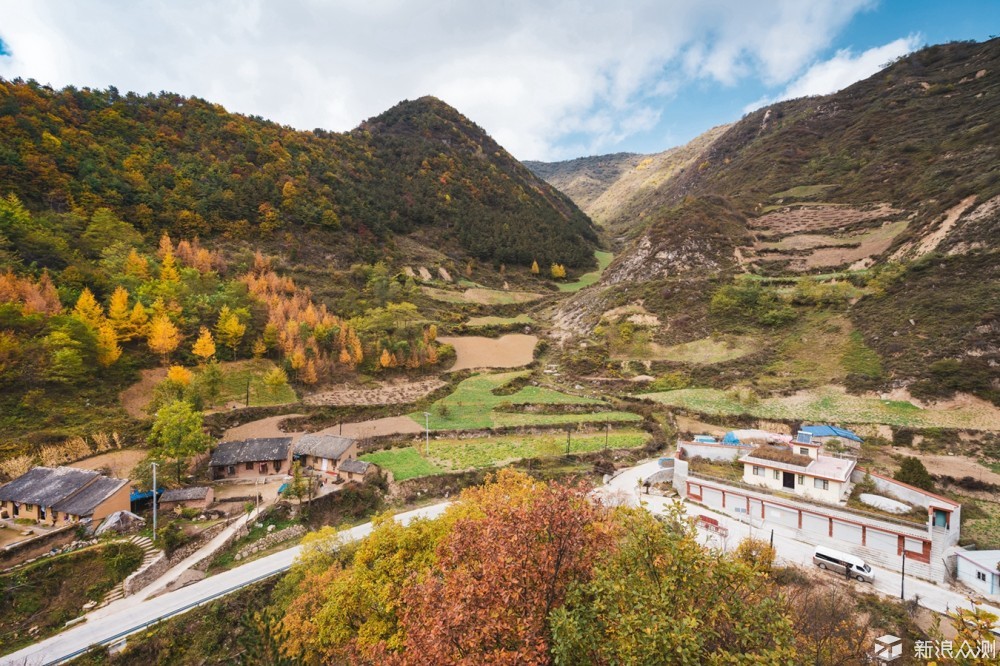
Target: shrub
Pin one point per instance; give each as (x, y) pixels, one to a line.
(913, 472)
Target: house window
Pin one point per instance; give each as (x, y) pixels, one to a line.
(249, 466)
(777, 474)
(231, 470)
(822, 484)
(799, 479)
(277, 465)
(263, 468)
(758, 471)
(980, 575)
(803, 450)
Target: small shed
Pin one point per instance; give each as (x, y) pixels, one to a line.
(824, 434)
(978, 570)
(324, 453)
(356, 470)
(197, 497)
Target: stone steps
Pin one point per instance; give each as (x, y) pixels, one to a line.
(149, 553)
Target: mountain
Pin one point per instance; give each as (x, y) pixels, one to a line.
(585, 179)
(167, 162)
(896, 178)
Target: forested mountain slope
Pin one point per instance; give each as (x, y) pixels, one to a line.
(169, 163)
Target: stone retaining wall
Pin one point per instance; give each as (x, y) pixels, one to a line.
(163, 564)
(20, 552)
(272, 539)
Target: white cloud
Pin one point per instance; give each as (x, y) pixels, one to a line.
(543, 80)
(840, 71)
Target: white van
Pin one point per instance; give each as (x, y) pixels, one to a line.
(843, 563)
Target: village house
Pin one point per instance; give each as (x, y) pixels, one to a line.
(198, 497)
(800, 469)
(60, 496)
(324, 454)
(356, 470)
(251, 458)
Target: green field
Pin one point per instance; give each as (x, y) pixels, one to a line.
(828, 403)
(474, 405)
(404, 463)
(452, 454)
(587, 279)
(705, 351)
(234, 385)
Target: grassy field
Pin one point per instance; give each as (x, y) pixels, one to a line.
(802, 192)
(499, 321)
(459, 454)
(833, 404)
(474, 404)
(984, 531)
(587, 279)
(235, 376)
(404, 463)
(481, 296)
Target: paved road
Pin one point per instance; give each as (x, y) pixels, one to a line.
(135, 616)
(789, 546)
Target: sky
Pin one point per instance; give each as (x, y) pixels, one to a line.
(548, 79)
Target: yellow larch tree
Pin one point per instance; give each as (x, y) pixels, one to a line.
(108, 350)
(163, 337)
(136, 266)
(138, 321)
(308, 374)
(179, 375)
(118, 312)
(88, 310)
(204, 346)
(534, 268)
(229, 329)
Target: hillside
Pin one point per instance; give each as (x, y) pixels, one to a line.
(895, 180)
(184, 165)
(585, 179)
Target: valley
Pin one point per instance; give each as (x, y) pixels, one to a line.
(384, 319)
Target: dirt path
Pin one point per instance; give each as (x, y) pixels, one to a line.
(394, 393)
(509, 351)
(269, 427)
(392, 425)
(137, 397)
(121, 463)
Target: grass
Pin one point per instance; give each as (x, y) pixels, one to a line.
(587, 279)
(827, 403)
(481, 296)
(227, 558)
(451, 454)
(475, 405)
(811, 354)
(802, 192)
(985, 531)
(235, 376)
(53, 591)
(879, 234)
(499, 321)
(404, 463)
(705, 351)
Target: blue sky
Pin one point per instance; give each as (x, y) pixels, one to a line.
(549, 80)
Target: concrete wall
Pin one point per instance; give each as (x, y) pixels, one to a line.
(712, 451)
(916, 497)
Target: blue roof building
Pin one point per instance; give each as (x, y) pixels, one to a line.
(828, 431)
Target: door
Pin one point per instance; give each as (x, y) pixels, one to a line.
(788, 480)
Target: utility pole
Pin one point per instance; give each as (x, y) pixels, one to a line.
(607, 431)
(248, 391)
(902, 580)
(154, 500)
(427, 433)
(567, 440)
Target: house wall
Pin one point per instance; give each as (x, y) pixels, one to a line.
(241, 472)
(966, 572)
(879, 542)
(350, 476)
(119, 501)
(807, 488)
(331, 465)
(916, 497)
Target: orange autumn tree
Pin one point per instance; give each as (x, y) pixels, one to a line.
(474, 586)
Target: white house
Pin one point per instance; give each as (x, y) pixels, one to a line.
(978, 570)
(800, 469)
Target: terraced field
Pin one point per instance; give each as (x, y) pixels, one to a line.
(481, 296)
(587, 279)
(834, 404)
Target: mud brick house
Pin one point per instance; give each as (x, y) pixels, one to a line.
(324, 453)
(251, 458)
(62, 495)
(356, 470)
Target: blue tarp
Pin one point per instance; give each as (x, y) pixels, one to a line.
(730, 438)
(829, 431)
(137, 495)
(705, 439)
(282, 489)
